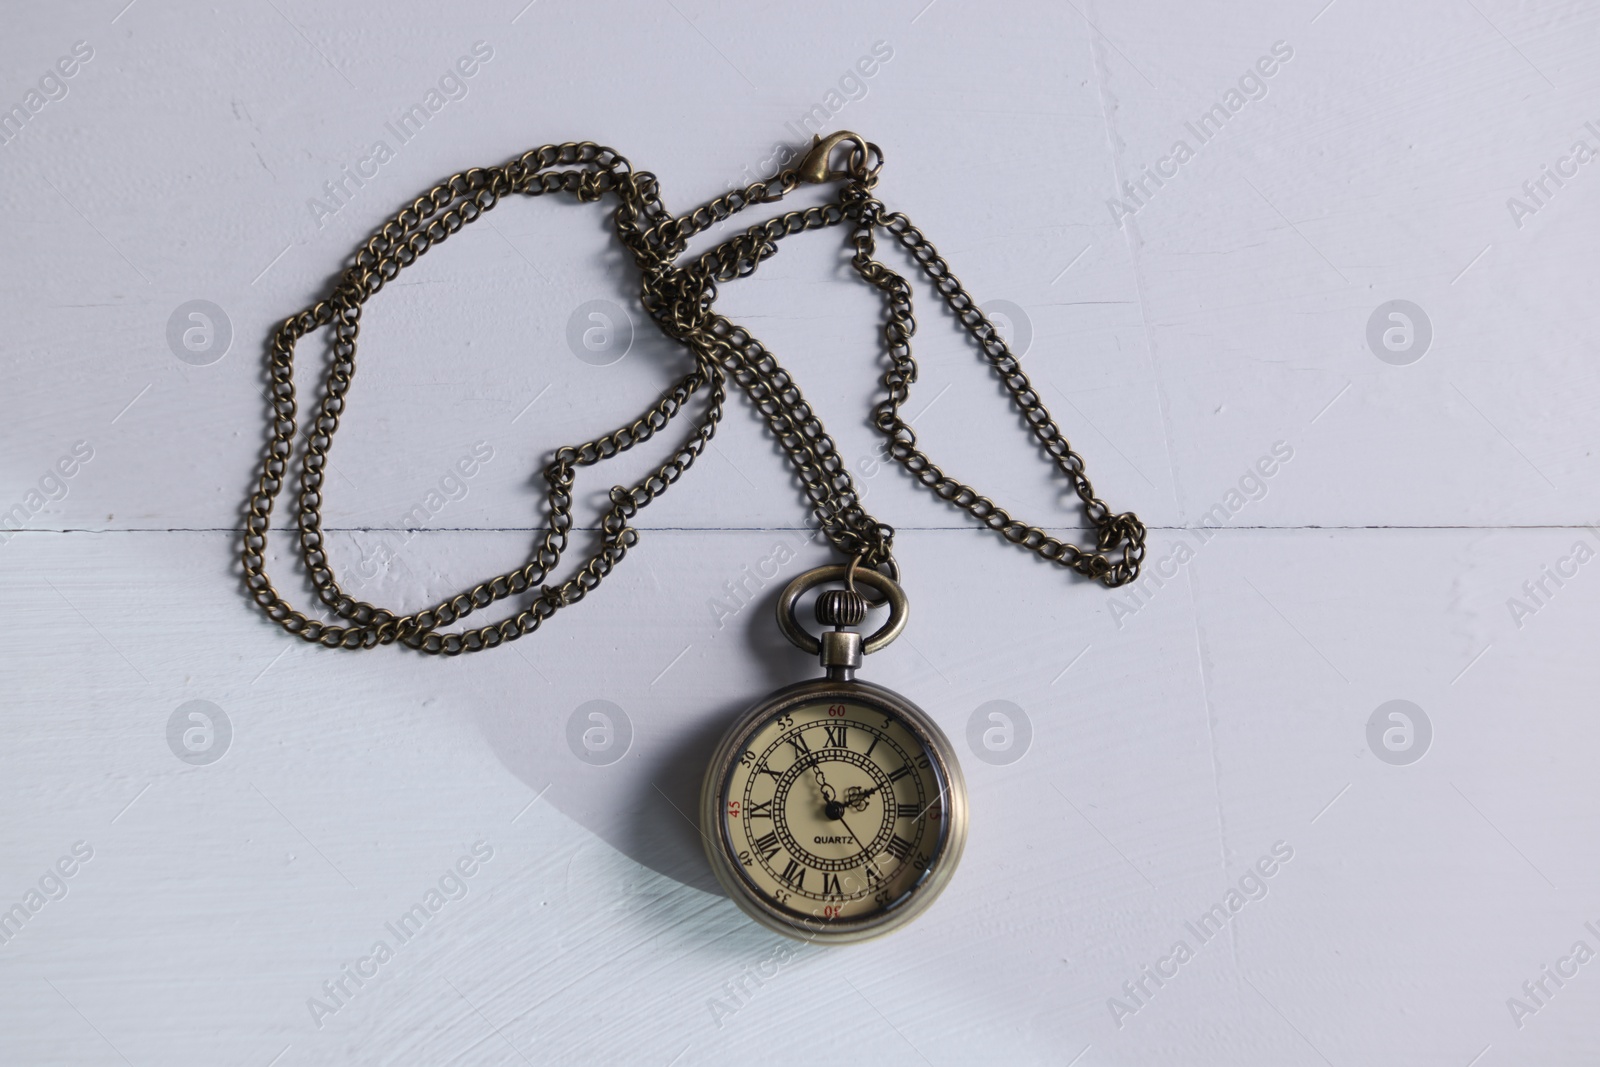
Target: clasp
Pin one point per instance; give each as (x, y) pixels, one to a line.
(815, 169)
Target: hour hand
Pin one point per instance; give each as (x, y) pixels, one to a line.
(856, 797)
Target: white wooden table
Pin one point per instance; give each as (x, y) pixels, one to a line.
(1346, 509)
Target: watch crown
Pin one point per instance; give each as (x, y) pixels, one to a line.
(841, 607)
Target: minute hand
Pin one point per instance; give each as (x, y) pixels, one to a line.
(822, 782)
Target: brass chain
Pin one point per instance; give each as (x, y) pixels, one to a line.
(679, 299)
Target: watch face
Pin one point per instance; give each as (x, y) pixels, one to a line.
(833, 812)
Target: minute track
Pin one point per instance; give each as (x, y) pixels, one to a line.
(833, 866)
(838, 869)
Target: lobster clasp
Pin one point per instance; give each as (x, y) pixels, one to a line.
(815, 168)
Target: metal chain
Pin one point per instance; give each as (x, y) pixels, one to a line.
(679, 300)
(1112, 530)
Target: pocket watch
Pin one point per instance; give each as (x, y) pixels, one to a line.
(834, 809)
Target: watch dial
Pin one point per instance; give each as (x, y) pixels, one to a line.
(834, 811)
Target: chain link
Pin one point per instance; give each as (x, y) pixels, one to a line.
(679, 299)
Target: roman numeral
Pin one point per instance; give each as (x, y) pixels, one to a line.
(904, 770)
(898, 847)
(873, 877)
(795, 875)
(831, 886)
(767, 847)
(835, 736)
(764, 769)
(759, 811)
(799, 743)
(906, 811)
(874, 744)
